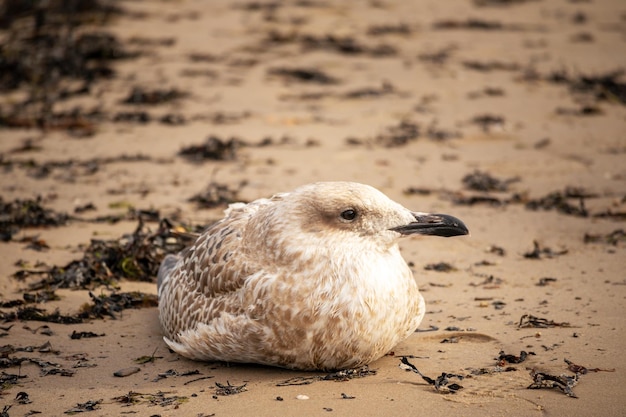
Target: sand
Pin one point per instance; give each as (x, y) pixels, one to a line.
(419, 87)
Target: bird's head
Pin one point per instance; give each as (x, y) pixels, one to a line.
(361, 210)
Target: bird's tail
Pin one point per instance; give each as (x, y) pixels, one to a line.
(169, 262)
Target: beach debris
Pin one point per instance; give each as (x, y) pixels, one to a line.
(529, 321)
(491, 65)
(216, 194)
(33, 313)
(173, 372)
(348, 374)
(90, 405)
(139, 95)
(441, 383)
(483, 181)
(539, 252)
(346, 45)
(613, 238)
(80, 335)
(303, 75)
(545, 281)
(601, 87)
(563, 383)
(339, 376)
(560, 201)
(489, 281)
(135, 256)
(121, 373)
(302, 397)
(399, 135)
(229, 389)
(50, 56)
(345, 396)
(579, 369)
(108, 305)
(148, 359)
(159, 398)
(389, 29)
(487, 121)
(18, 214)
(496, 250)
(440, 267)
(8, 380)
(22, 398)
(475, 24)
(214, 148)
(504, 358)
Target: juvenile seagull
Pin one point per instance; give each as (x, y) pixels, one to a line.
(312, 279)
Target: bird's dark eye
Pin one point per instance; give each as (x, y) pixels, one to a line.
(349, 214)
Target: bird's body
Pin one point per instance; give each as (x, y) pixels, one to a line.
(311, 279)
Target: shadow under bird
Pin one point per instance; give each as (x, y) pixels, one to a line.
(312, 279)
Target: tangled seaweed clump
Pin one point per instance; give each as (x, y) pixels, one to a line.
(134, 256)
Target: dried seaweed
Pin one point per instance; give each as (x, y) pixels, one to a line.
(493, 65)
(563, 383)
(90, 405)
(492, 3)
(38, 314)
(139, 95)
(73, 167)
(386, 88)
(487, 121)
(109, 305)
(303, 75)
(84, 335)
(339, 376)
(214, 149)
(475, 24)
(229, 389)
(539, 252)
(440, 267)
(399, 135)
(613, 238)
(142, 360)
(135, 256)
(215, 195)
(18, 214)
(504, 358)
(602, 87)
(339, 44)
(528, 320)
(579, 369)
(159, 398)
(441, 383)
(559, 200)
(47, 54)
(545, 281)
(347, 374)
(483, 181)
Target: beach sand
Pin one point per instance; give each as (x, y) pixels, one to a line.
(409, 97)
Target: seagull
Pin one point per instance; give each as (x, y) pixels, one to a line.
(312, 279)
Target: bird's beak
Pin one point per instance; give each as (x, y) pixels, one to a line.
(433, 225)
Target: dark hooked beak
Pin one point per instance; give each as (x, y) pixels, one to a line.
(433, 225)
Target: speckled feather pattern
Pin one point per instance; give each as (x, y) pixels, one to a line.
(282, 282)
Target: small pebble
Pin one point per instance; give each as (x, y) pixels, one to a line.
(302, 397)
(126, 371)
